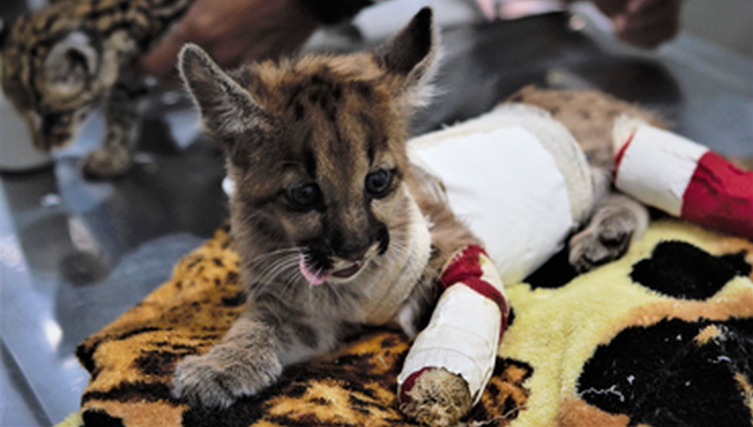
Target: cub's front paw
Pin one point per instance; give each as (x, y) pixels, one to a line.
(603, 241)
(437, 398)
(225, 374)
(107, 163)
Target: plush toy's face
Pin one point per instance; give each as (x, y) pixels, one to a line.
(53, 83)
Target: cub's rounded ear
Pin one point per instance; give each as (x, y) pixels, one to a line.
(413, 54)
(227, 109)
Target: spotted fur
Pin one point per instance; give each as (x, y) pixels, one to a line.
(61, 62)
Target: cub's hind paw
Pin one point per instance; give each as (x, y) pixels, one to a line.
(215, 380)
(438, 398)
(603, 241)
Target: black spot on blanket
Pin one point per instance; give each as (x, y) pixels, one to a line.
(555, 273)
(235, 301)
(159, 363)
(241, 414)
(674, 373)
(100, 419)
(132, 392)
(510, 317)
(681, 270)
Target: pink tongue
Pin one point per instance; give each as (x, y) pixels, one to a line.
(314, 278)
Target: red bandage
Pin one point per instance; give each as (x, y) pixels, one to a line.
(721, 196)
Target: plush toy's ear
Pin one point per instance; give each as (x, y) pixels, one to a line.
(71, 63)
(413, 54)
(227, 109)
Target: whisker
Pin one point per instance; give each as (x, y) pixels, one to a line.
(266, 277)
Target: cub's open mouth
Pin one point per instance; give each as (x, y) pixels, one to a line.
(317, 277)
(347, 272)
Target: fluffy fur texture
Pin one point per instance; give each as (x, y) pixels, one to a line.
(58, 64)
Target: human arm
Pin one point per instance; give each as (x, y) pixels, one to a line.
(643, 23)
(236, 31)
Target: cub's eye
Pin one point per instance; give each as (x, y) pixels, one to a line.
(379, 182)
(303, 197)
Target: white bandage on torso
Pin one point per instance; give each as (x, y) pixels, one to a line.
(518, 179)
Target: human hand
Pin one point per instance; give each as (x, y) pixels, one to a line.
(233, 32)
(643, 23)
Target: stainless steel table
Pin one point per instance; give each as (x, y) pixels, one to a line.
(75, 254)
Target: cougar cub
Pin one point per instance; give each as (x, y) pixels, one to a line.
(327, 208)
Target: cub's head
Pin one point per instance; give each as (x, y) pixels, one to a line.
(316, 147)
(52, 78)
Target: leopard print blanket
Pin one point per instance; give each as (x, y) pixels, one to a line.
(662, 337)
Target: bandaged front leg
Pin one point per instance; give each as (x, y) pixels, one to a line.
(451, 360)
(682, 178)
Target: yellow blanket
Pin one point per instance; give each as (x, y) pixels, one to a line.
(662, 337)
